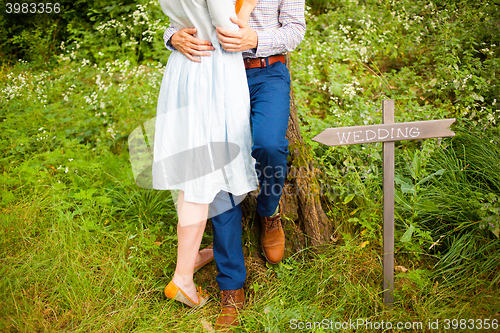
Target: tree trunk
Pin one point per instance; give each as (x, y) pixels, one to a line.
(303, 218)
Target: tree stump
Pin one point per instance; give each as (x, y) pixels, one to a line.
(303, 219)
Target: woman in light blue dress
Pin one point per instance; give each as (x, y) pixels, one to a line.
(202, 143)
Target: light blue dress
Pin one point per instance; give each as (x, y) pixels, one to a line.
(202, 141)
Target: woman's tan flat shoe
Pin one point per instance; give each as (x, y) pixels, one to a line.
(206, 261)
(172, 291)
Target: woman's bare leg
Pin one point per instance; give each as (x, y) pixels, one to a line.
(190, 228)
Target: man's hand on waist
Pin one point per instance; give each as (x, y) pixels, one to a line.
(237, 41)
(192, 47)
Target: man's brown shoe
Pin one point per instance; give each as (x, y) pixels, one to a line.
(232, 303)
(272, 238)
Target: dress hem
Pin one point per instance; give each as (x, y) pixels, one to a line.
(245, 191)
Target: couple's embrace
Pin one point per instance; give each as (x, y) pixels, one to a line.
(221, 122)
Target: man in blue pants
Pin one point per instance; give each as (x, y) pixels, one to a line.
(275, 27)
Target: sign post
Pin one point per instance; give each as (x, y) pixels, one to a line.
(388, 190)
(388, 133)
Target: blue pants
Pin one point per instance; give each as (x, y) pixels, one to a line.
(270, 110)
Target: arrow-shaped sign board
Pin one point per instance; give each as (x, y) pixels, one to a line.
(388, 132)
(385, 132)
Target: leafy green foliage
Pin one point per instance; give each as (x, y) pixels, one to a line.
(100, 30)
(437, 60)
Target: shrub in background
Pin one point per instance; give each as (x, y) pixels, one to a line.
(101, 30)
(437, 60)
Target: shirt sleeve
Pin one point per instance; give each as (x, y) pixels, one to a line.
(169, 32)
(289, 35)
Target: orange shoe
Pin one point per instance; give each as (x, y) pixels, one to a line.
(172, 291)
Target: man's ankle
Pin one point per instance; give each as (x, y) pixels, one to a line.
(276, 212)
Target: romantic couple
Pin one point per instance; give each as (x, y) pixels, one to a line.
(221, 122)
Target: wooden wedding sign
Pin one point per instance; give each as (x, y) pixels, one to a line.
(388, 132)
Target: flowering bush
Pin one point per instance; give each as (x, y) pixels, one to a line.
(437, 59)
(99, 30)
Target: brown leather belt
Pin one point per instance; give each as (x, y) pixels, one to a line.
(261, 62)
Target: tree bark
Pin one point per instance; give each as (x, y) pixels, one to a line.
(303, 218)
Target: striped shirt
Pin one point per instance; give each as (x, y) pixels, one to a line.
(280, 26)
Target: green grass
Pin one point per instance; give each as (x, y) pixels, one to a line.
(90, 251)
(67, 272)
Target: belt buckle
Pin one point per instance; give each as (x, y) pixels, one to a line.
(262, 62)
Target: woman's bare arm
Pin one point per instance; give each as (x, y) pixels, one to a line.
(244, 8)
